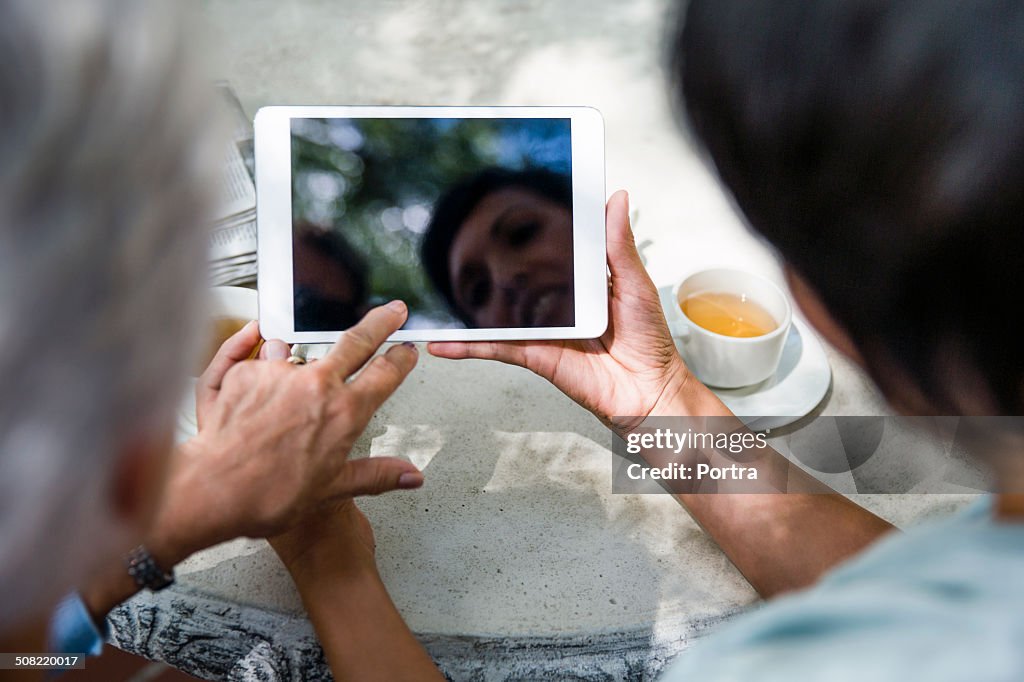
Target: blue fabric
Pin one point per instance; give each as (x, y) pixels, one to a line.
(945, 601)
(72, 630)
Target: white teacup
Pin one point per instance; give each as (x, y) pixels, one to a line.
(237, 304)
(234, 302)
(729, 361)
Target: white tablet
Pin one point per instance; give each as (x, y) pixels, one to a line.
(487, 221)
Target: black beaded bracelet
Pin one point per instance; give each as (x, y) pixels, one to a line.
(144, 570)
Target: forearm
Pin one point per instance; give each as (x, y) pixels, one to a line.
(784, 541)
(181, 526)
(362, 633)
(782, 531)
(114, 585)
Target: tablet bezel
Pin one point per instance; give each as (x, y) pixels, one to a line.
(274, 219)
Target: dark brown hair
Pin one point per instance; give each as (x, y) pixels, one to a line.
(879, 146)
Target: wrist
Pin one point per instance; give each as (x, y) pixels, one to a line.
(685, 396)
(326, 563)
(116, 582)
(169, 544)
(183, 523)
(336, 540)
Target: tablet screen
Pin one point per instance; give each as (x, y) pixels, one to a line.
(469, 221)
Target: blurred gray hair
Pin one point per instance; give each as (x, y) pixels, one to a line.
(104, 146)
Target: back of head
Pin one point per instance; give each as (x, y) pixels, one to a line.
(101, 252)
(879, 145)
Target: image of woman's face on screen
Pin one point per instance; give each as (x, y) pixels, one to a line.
(510, 262)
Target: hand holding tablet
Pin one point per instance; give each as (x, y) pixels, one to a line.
(632, 370)
(487, 221)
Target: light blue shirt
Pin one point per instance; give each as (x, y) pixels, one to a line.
(945, 601)
(72, 630)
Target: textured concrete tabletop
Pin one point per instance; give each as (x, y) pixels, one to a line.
(514, 561)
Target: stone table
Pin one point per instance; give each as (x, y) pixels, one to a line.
(514, 561)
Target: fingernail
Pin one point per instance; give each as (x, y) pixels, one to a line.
(410, 479)
(397, 306)
(410, 344)
(277, 350)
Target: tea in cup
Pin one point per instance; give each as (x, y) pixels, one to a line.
(728, 314)
(731, 325)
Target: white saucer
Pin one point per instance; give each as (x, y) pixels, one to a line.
(796, 388)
